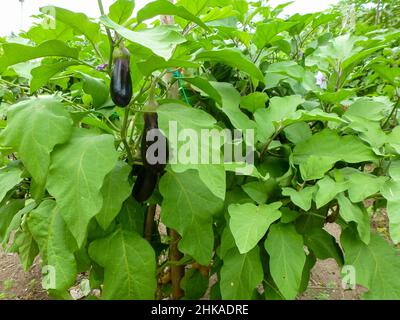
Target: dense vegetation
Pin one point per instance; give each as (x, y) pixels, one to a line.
(320, 91)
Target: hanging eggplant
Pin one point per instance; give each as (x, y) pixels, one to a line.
(121, 81)
(145, 185)
(154, 147)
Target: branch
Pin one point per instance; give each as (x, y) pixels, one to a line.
(123, 135)
(110, 38)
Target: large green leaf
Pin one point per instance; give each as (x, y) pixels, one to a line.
(132, 215)
(361, 185)
(154, 63)
(34, 128)
(230, 105)
(249, 223)
(352, 212)
(183, 195)
(115, 190)
(121, 10)
(391, 192)
(26, 247)
(165, 7)
(17, 219)
(327, 190)
(267, 32)
(254, 101)
(323, 245)
(7, 213)
(97, 88)
(280, 108)
(77, 21)
(160, 40)
(56, 245)
(129, 265)
(315, 155)
(302, 198)
(287, 258)
(193, 120)
(205, 88)
(233, 58)
(42, 74)
(87, 158)
(376, 265)
(15, 53)
(9, 177)
(240, 274)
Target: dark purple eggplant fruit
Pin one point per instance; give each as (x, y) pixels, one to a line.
(145, 185)
(154, 147)
(121, 81)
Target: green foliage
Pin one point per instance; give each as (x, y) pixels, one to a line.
(320, 92)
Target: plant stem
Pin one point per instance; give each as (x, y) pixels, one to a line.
(396, 105)
(110, 38)
(265, 148)
(177, 271)
(123, 135)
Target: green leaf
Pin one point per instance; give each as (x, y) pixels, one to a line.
(9, 177)
(301, 198)
(88, 158)
(351, 212)
(391, 191)
(129, 266)
(15, 53)
(249, 223)
(183, 194)
(34, 128)
(157, 63)
(56, 245)
(17, 219)
(77, 21)
(194, 284)
(323, 245)
(121, 10)
(97, 88)
(184, 118)
(240, 274)
(328, 189)
(267, 32)
(26, 247)
(115, 190)
(298, 132)
(315, 155)
(42, 74)
(390, 74)
(361, 185)
(160, 40)
(195, 7)
(257, 190)
(367, 109)
(254, 101)
(7, 213)
(310, 116)
(279, 109)
(230, 105)
(132, 216)
(287, 258)
(376, 265)
(164, 7)
(205, 88)
(233, 58)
